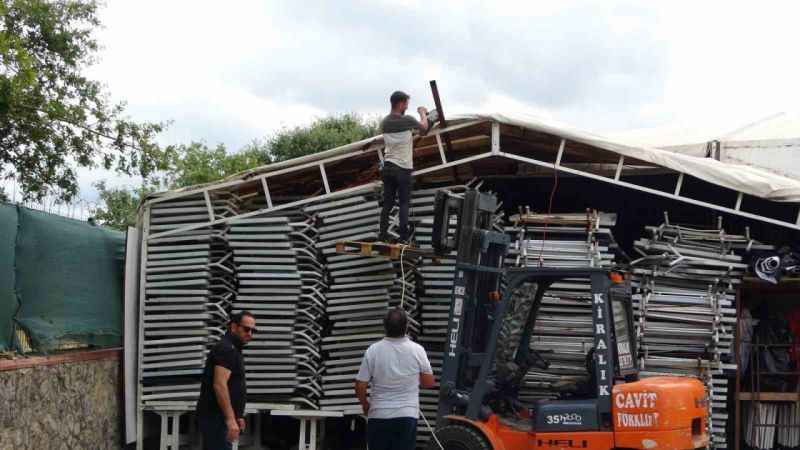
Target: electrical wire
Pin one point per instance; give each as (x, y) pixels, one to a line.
(403, 276)
(549, 211)
(433, 433)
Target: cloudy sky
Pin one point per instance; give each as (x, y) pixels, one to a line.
(231, 72)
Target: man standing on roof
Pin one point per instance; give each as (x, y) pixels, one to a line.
(397, 129)
(395, 367)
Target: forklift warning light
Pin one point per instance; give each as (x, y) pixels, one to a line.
(615, 277)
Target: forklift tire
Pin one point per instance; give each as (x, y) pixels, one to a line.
(459, 437)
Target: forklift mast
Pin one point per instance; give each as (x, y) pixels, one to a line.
(478, 311)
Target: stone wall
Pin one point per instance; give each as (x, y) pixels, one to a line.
(72, 403)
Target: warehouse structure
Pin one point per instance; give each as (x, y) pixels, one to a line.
(264, 240)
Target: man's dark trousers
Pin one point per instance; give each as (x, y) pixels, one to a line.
(215, 433)
(399, 433)
(396, 182)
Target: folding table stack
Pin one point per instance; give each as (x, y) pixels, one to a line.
(310, 318)
(562, 332)
(684, 307)
(357, 295)
(190, 284)
(269, 287)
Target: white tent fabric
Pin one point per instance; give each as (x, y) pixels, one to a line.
(749, 180)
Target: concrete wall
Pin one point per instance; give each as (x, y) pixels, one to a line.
(70, 402)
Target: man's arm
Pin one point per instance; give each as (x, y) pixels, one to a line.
(423, 119)
(362, 381)
(361, 393)
(221, 376)
(426, 378)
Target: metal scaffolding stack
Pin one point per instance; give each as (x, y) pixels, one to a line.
(562, 332)
(269, 286)
(190, 284)
(684, 308)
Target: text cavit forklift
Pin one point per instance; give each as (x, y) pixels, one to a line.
(487, 355)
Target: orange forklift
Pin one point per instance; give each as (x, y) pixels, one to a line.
(487, 354)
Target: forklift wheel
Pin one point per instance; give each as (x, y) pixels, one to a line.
(458, 437)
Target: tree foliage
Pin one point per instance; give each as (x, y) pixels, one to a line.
(120, 205)
(52, 118)
(322, 134)
(196, 163)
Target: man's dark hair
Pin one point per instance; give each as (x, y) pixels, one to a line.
(395, 323)
(237, 318)
(398, 97)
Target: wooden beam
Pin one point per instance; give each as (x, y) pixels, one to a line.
(443, 121)
(770, 396)
(65, 358)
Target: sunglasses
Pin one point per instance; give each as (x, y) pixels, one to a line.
(248, 330)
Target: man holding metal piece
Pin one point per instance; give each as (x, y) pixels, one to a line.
(395, 367)
(398, 161)
(223, 393)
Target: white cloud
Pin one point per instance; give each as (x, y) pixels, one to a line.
(232, 72)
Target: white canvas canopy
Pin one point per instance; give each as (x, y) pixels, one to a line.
(739, 177)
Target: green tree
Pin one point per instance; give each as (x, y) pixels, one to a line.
(4, 195)
(196, 163)
(185, 165)
(322, 134)
(120, 205)
(52, 118)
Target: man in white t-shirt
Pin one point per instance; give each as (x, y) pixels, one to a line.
(395, 367)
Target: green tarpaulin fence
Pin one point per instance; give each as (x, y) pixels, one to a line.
(61, 280)
(8, 299)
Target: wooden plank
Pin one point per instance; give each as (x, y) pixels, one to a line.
(66, 358)
(770, 396)
(382, 249)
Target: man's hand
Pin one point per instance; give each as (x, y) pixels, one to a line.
(233, 430)
(242, 425)
(361, 393)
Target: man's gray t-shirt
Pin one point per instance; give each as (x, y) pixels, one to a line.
(397, 135)
(392, 367)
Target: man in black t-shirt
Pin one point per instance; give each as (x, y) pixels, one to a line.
(223, 394)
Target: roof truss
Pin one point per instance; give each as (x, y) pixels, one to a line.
(439, 161)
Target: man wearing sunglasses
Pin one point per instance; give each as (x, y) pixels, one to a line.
(223, 394)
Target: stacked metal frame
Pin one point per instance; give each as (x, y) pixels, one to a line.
(357, 294)
(684, 308)
(189, 289)
(310, 309)
(788, 420)
(562, 333)
(759, 425)
(269, 287)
